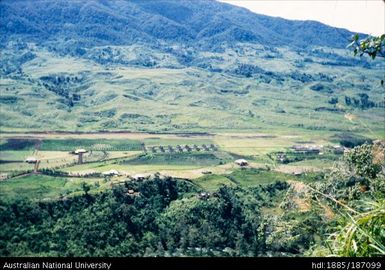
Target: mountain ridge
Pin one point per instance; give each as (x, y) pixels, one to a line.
(203, 23)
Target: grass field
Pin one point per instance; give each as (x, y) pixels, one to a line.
(192, 159)
(183, 171)
(70, 144)
(252, 177)
(213, 182)
(55, 152)
(43, 187)
(36, 187)
(248, 177)
(208, 169)
(173, 140)
(14, 155)
(91, 144)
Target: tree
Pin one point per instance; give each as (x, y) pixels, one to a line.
(86, 188)
(374, 46)
(333, 100)
(360, 160)
(356, 189)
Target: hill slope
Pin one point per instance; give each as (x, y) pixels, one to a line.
(183, 65)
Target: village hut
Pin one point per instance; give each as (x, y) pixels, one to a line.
(241, 162)
(79, 153)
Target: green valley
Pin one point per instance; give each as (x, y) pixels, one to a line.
(187, 128)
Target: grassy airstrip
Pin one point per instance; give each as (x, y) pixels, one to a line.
(205, 159)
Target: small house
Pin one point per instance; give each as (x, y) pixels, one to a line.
(132, 192)
(307, 148)
(204, 195)
(281, 157)
(241, 162)
(31, 160)
(138, 177)
(80, 151)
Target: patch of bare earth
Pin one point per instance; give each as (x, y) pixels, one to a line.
(328, 212)
(300, 196)
(379, 152)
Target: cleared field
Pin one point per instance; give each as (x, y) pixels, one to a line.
(252, 177)
(248, 177)
(90, 144)
(37, 187)
(155, 141)
(6, 167)
(42, 187)
(69, 144)
(213, 182)
(254, 143)
(172, 170)
(14, 155)
(54, 153)
(194, 159)
(189, 98)
(48, 159)
(208, 169)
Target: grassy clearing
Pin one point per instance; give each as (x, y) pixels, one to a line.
(213, 182)
(90, 144)
(37, 187)
(131, 169)
(173, 141)
(14, 155)
(15, 167)
(48, 159)
(69, 144)
(194, 159)
(306, 166)
(260, 144)
(42, 187)
(316, 163)
(251, 177)
(248, 177)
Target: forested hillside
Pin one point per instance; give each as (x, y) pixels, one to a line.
(203, 23)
